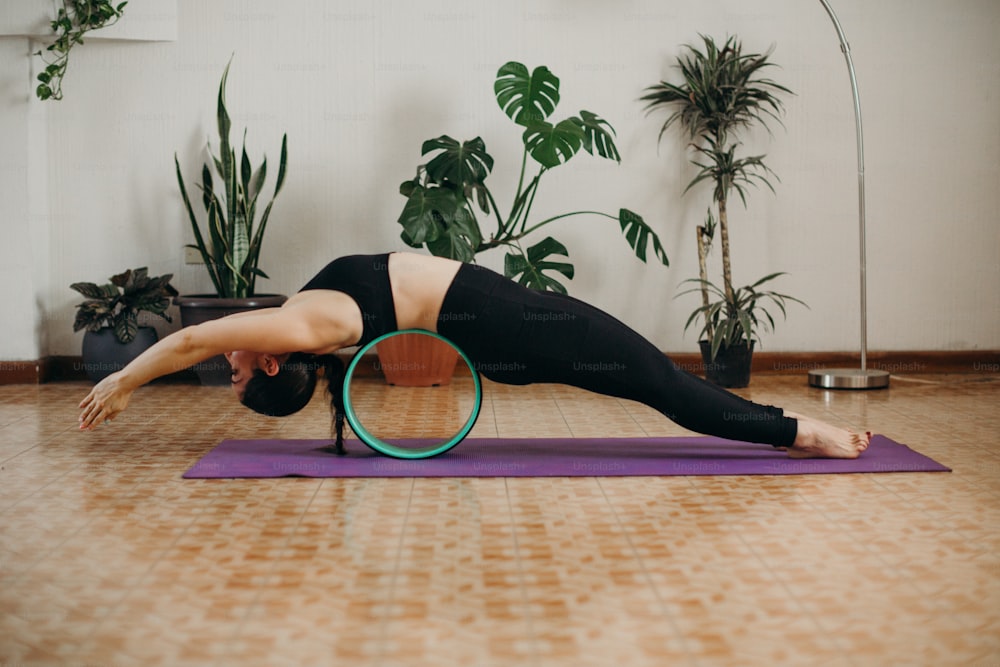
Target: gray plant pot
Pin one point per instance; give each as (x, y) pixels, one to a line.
(104, 355)
(199, 308)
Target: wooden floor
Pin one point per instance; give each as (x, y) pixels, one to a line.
(108, 557)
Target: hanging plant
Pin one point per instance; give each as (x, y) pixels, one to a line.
(74, 20)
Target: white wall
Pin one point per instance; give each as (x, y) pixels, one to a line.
(359, 85)
(24, 265)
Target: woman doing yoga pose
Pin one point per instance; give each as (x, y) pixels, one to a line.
(512, 334)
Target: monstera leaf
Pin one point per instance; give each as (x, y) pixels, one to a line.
(598, 135)
(638, 235)
(465, 164)
(460, 163)
(438, 217)
(528, 268)
(459, 237)
(526, 98)
(553, 145)
(425, 211)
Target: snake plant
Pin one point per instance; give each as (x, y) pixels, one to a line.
(230, 246)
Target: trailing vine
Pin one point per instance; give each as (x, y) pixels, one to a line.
(75, 19)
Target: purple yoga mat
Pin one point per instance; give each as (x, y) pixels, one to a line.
(547, 457)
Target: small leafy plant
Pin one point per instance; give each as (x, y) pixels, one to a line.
(734, 320)
(117, 304)
(441, 201)
(232, 248)
(74, 20)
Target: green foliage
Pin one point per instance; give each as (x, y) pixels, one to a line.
(728, 323)
(441, 201)
(230, 248)
(727, 172)
(723, 91)
(74, 20)
(117, 304)
(529, 268)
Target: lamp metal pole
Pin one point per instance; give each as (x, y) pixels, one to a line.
(853, 378)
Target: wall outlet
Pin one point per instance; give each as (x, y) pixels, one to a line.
(192, 256)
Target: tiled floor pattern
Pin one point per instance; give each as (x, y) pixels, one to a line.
(108, 557)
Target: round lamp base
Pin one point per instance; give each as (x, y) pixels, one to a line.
(848, 378)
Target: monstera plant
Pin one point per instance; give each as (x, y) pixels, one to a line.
(448, 202)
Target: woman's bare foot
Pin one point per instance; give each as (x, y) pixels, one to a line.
(816, 439)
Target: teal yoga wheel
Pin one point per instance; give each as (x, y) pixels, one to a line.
(397, 451)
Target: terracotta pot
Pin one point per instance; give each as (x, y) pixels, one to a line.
(199, 308)
(731, 366)
(103, 354)
(416, 360)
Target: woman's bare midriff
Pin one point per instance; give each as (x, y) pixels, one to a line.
(419, 284)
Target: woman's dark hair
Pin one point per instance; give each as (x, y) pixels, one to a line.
(291, 388)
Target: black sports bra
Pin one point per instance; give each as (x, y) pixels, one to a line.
(364, 278)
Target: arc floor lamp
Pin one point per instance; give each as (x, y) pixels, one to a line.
(863, 377)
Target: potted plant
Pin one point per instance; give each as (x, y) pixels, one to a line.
(110, 315)
(230, 247)
(73, 20)
(722, 93)
(730, 327)
(443, 198)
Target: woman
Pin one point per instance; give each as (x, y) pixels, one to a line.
(512, 334)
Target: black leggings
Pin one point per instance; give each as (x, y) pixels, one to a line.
(516, 335)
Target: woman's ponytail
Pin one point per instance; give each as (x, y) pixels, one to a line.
(333, 371)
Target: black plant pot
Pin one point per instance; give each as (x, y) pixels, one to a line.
(199, 308)
(104, 355)
(731, 366)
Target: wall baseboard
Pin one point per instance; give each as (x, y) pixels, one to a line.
(21, 372)
(70, 368)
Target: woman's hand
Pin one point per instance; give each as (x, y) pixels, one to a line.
(105, 402)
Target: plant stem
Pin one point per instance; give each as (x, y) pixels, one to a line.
(531, 199)
(512, 239)
(727, 272)
(496, 210)
(520, 184)
(703, 273)
(557, 217)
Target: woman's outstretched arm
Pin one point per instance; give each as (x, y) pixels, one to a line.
(274, 330)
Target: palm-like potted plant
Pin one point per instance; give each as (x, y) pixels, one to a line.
(231, 243)
(449, 194)
(723, 92)
(110, 315)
